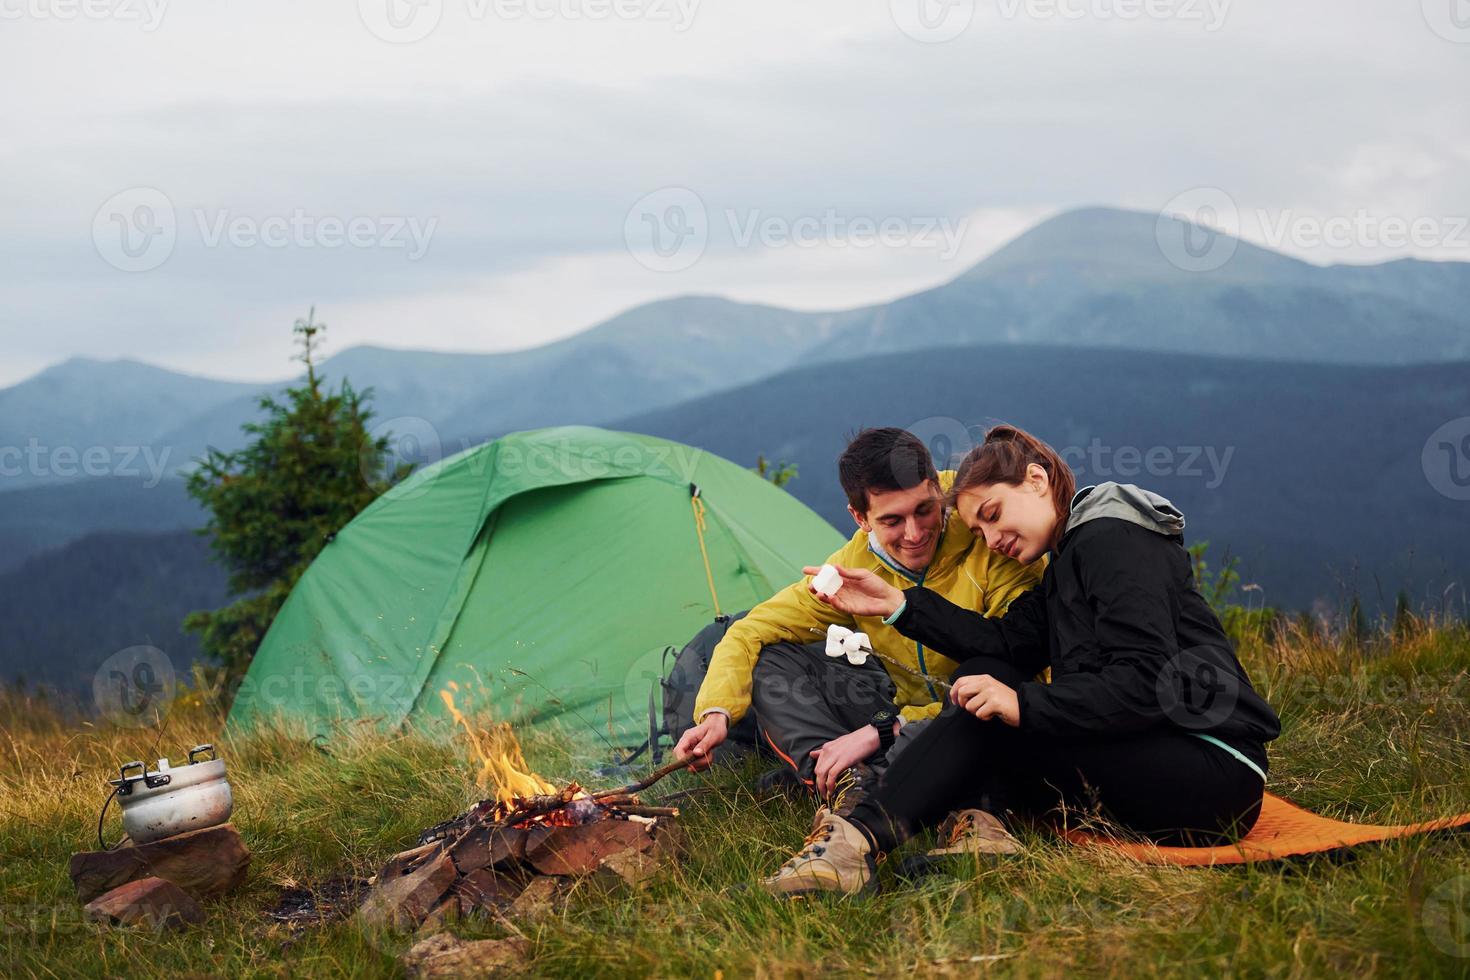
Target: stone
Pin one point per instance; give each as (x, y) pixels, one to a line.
(153, 902)
(405, 901)
(486, 847)
(404, 860)
(581, 850)
(203, 863)
(485, 888)
(632, 867)
(441, 915)
(537, 899)
(443, 955)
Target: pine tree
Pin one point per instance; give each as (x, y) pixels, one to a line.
(310, 467)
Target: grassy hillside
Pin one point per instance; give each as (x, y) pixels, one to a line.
(1375, 733)
(67, 611)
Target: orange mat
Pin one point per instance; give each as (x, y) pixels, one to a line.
(1283, 830)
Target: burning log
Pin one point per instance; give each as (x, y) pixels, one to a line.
(493, 857)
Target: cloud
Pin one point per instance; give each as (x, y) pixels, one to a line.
(523, 140)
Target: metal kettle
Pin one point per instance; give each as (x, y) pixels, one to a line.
(167, 801)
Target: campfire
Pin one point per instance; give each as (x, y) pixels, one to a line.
(521, 844)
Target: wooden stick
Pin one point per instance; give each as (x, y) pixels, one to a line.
(646, 781)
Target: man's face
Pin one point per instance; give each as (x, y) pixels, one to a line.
(906, 523)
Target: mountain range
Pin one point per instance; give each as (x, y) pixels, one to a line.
(1320, 383)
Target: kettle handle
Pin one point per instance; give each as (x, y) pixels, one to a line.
(200, 750)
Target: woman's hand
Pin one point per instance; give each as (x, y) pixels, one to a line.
(862, 593)
(985, 697)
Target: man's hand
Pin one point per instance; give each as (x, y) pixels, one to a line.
(842, 753)
(862, 593)
(985, 697)
(701, 740)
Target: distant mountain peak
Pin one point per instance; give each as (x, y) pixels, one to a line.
(1107, 242)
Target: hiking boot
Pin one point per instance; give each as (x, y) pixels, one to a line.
(783, 780)
(835, 857)
(853, 786)
(974, 832)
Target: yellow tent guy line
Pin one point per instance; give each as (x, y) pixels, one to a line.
(698, 506)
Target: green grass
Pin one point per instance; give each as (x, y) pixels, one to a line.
(1380, 734)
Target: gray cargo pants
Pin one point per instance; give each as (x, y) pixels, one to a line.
(803, 699)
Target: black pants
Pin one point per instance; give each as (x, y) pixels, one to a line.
(1164, 784)
(803, 699)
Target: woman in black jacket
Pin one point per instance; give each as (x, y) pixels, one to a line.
(1148, 715)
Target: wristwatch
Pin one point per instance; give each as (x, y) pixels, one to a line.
(883, 720)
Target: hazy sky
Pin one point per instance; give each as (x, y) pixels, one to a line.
(178, 182)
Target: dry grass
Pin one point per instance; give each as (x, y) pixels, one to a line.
(1377, 734)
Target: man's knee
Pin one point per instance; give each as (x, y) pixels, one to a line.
(781, 670)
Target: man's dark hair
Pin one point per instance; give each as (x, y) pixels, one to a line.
(885, 460)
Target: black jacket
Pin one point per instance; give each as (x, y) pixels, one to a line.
(1130, 642)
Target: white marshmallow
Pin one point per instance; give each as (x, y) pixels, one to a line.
(827, 581)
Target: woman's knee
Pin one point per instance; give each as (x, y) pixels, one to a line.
(1002, 671)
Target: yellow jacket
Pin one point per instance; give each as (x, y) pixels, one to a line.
(964, 571)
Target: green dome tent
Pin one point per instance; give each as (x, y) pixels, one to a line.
(544, 572)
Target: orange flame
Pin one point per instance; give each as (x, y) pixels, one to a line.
(503, 767)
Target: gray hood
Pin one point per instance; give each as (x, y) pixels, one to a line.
(1128, 502)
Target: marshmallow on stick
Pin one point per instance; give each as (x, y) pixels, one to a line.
(827, 580)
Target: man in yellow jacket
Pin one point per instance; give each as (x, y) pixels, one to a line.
(822, 715)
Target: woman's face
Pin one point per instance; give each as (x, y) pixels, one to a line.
(1014, 521)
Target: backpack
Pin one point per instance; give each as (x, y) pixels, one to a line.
(680, 688)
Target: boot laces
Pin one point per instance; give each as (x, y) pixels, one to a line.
(814, 845)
